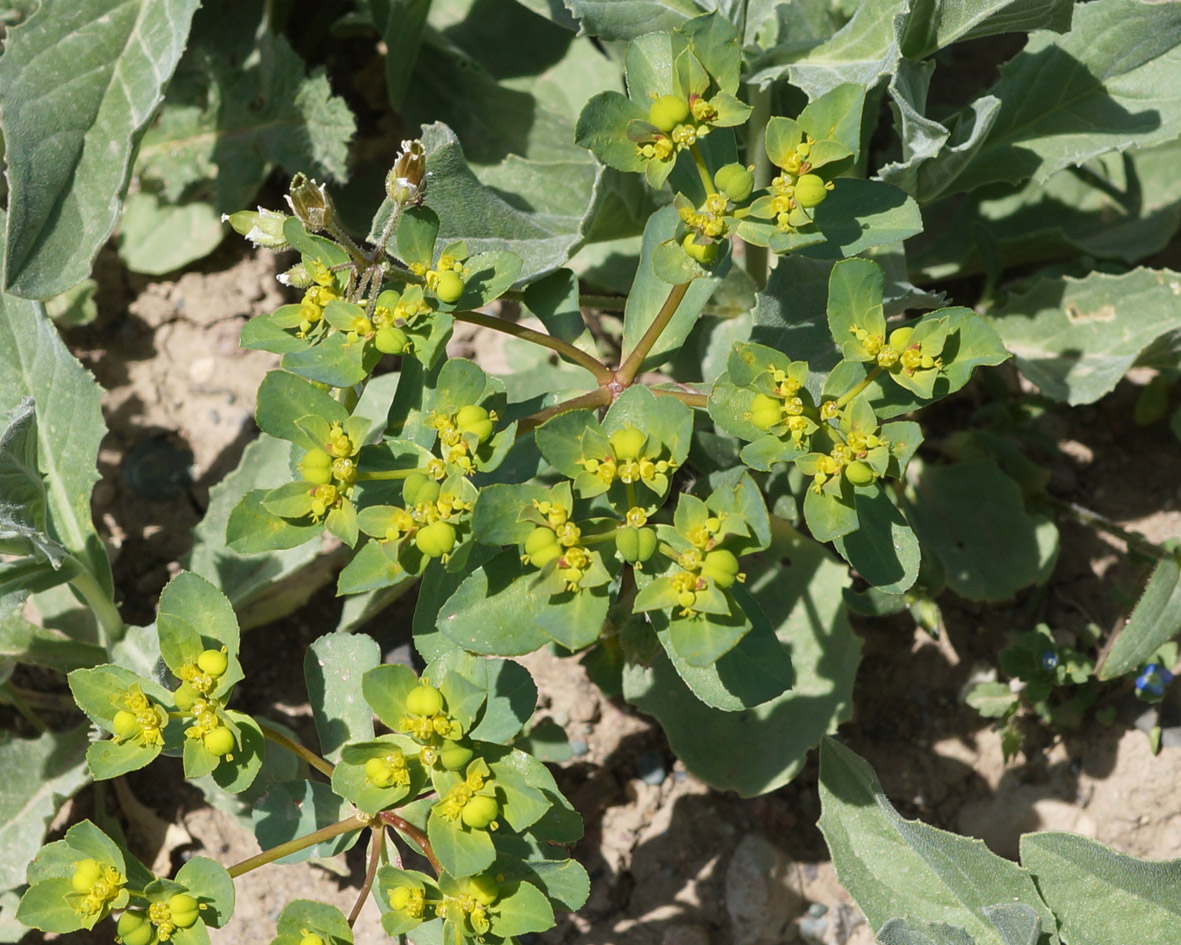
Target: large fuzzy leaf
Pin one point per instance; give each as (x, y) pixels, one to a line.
(78, 82)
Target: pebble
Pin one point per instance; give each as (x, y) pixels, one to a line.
(760, 894)
(579, 747)
(650, 767)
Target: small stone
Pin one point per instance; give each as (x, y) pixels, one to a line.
(579, 747)
(761, 892)
(650, 767)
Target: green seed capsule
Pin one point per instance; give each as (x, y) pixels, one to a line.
(418, 487)
(703, 253)
(378, 773)
(400, 896)
(735, 181)
(455, 756)
(213, 662)
(184, 909)
(668, 111)
(125, 724)
(722, 566)
(219, 742)
(316, 467)
(484, 889)
(133, 928)
(436, 540)
(900, 337)
(449, 287)
(184, 696)
(480, 811)
(391, 340)
(765, 411)
(635, 545)
(475, 420)
(424, 700)
(810, 190)
(311, 939)
(859, 473)
(542, 546)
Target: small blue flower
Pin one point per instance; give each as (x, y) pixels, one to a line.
(1153, 680)
(1049, 660)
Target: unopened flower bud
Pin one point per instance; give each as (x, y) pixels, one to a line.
(311, 203)
(262, 227)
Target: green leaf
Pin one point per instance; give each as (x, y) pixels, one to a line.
(295, 808)
(495, 609)
(261, 588)
(23, 512)
(861, 214)
(649, 292)
(25, 642)
(238, 774)
(912, 932)
(301, 916)
(972, 517)
(993, 700)
(1101, 896)
(522, 908)
(462, 850)
(333, 666)
(1154, 621)
(609, 19)
(385, 688)
(191, 600)
(575, 619)
(42, 773)
(866, 48)
(790, 315)
(45, 906)
(1075, 338)
(418, 229)
(883, 549)
(69, 144)
(893, 866)
(855, 298)
(805, 598)
(284, 398)
(511, 700)
(334, 361)
(1062, 100)
(209, 882)
(230, 122)
(37, 364)
(251, 529)
(156, 237)
(934, 24)
(350, 781)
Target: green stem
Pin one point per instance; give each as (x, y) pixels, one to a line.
(349, 824)
(869, 378)
(1094, 520)
(110, 624)
(604, 303)
(376, 854)
(631, 367)
(385, 474)
(310, 757)
(575, 355)
(756, 152)
(687, 397)
(599, 397)
(419, 838)
(390, 225)
(707, 180)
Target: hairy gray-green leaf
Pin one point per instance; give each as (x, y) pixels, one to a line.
(35, 362)
(1117, 206)
(39, 774)
(610, 19)
(895, 867)
(1101, 896)
(1154, 620)
(863, 50)
(157, 237)
(933, 24)
(78, 82)
(1075, 338)
(244, 122)
(1108, 84)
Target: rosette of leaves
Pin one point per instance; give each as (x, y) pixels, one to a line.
(681, 86)
(692, 590)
